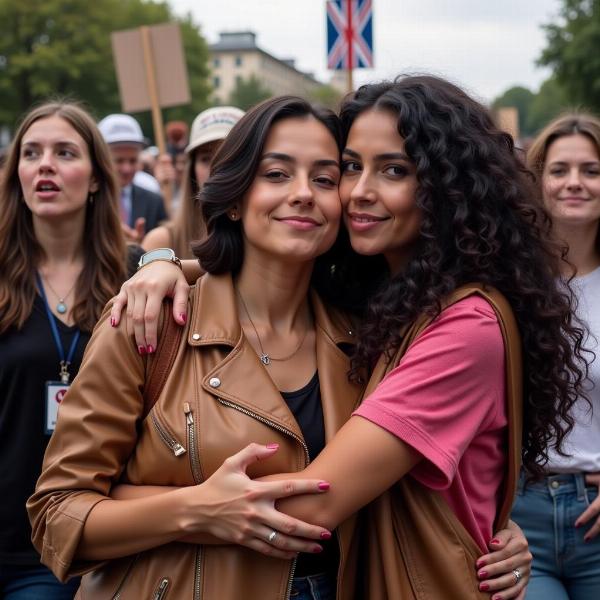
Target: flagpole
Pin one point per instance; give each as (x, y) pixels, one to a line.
(350, 80)
(349, 38)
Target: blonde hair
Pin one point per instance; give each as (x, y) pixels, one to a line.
(105, 248)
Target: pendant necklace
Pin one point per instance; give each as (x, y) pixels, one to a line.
(265, 358)
(61, 306)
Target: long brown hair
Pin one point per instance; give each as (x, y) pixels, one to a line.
(104, 249)
(572, 123)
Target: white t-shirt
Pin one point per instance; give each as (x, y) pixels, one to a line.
(583, 443)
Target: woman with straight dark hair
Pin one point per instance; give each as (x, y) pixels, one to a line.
(561, 512)
(63, 258)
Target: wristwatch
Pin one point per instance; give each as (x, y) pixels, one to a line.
(165, 254)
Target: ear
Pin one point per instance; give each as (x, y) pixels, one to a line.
(94, 185)
(233, 213)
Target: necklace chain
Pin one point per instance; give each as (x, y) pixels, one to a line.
(266, 358)
(61, 306)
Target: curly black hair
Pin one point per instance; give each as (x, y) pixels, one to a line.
(481, 222)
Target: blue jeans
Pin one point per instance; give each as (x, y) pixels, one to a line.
(34, 583)
(564, 566)
(314, 587)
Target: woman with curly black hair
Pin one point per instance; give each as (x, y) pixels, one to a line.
(458, 261)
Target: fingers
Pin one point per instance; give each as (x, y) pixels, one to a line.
(593, 510)
(180, 300)
(288, 543)
(504, 587)
(139, 329)
(119, 303)
(150, 321)
(140, 228)
(593, 532)
(269, 550)
(250, 454)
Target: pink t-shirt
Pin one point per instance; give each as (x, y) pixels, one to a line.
(446, 399)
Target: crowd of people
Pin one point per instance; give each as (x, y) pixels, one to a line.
(374, 375)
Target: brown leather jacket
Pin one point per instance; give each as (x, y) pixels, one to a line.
(217, 399)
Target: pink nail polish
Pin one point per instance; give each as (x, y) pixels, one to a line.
(480, 564)
(272, 446)
(497, 598)
(323, 485)
(183, 317)
(482, 574)
(317, 549)
(141, 350)
(495, 541)
(484, 587)
(325, 535)
(112, 321)
(150, 349)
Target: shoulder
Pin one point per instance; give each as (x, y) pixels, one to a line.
(146, 195)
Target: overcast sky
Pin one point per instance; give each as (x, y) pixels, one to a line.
(485, 45)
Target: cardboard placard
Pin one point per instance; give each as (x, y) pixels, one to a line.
(167, 60)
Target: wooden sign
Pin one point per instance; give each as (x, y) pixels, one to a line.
(507, 118)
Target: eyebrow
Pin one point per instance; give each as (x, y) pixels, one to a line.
(323, 162)
(59, 143)
(384, 156)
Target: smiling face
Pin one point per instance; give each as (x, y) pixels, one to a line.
(292, 209)
(55, 170)
(571, 181)
(378, 188)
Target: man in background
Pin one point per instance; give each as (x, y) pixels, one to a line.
(141, 209)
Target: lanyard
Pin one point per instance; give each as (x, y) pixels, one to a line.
(65, 361)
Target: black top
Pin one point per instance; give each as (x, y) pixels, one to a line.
(28, 358)
(306, 407)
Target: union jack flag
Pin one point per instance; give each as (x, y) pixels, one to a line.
(349, 34)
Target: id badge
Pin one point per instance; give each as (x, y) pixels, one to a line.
(55, 392)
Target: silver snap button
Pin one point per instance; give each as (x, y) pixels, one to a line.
(196, 336)
(214, 382)
(555, 484)
(350, 332)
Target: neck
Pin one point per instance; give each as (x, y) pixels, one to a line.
(275, 293)
(583, 251)
(62, 241)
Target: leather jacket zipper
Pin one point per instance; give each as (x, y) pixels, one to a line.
(167, 437)
(306, 461)
(161, 590)
(124, 579)
(197, 573)
(191, 436)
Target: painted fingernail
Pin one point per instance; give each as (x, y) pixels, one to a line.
(495, 541)
(325, 535)
(497, 598)
(272, 446)
(482, 574)
(150, 349)
(112, 321)
(317, 549)
(142, 350)
(484, 587)
(479, 564)
(323, 485)
(183, 317)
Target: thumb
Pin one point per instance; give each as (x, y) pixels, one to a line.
(500, 540)
(140, 226)
(250, 454)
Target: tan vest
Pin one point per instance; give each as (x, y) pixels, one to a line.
(413, 547)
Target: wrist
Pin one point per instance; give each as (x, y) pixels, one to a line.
(158, 255)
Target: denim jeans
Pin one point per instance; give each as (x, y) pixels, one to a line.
(564, 566)
(34, 583)
(314, 587)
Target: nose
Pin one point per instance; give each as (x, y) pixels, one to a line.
(302, 192)
(574, 180)
(46, 163)
(363, 191)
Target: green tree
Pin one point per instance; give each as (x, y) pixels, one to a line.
(63, 48)
(547, 104)
(248, 92)
(520, 98)
(573, 51)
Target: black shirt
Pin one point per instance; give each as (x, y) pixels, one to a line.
(306, 407)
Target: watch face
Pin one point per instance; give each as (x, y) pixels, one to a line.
(163, 253)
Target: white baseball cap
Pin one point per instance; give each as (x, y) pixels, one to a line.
(213, 124)
(121, 129)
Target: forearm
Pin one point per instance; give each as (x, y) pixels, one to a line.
(191, 270)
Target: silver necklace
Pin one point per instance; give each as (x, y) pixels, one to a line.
(265, 358)
(61, 306)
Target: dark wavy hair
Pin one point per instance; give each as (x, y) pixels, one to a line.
(481, 222)
(233, 170)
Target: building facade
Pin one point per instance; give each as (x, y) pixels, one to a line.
(236, 57)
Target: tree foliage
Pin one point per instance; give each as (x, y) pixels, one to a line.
(520, 98)
(573, 52)
(548, 103)
(62, 48)
(248, 92)
(328, 96)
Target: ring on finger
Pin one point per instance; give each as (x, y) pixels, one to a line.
(271, 538)
(518, 575)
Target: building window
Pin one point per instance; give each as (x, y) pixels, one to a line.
(216, 63)
(238, 61)
(216, 82)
